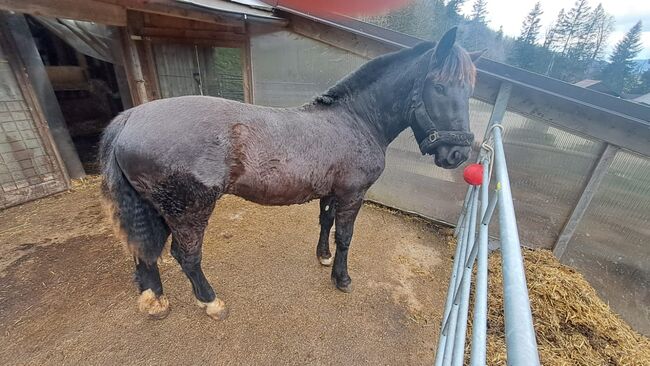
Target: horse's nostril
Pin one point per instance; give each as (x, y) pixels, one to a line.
(455, 156)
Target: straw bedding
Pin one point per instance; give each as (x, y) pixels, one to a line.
(573, 325)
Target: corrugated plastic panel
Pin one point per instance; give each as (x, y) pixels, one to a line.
(548, 169)
(289, 70)
(611, 245)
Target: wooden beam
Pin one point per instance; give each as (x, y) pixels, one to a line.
(192, 34)
(165, 28)
(181, 11)
(196, 41)
(362, 46)
(165, 21)
(89, 10)
(595, 178)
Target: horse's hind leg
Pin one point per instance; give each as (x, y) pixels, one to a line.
(151, 241)
(187, 205)
(144, 231)
(151, 301)
(187, 240)
(327, 214)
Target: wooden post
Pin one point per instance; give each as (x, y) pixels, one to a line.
(133, 68)
(247, 73)
(123, 86)
(151, 74)
(138, 60)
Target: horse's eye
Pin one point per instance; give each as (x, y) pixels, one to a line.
(439, 88)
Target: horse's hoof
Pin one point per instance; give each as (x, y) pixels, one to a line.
(216, 309)
(326, 261)
(343, 287)
(347, 288)
(156, 307)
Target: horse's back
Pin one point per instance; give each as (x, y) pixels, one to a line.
(184, 135)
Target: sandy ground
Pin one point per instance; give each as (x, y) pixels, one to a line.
(67, 297)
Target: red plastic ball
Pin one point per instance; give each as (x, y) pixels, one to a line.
(473, 174)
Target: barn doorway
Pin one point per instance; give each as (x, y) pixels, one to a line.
(194, 69)
(86, 88)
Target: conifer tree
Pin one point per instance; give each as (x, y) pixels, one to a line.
(532, 25)
(476, 29)
(550, 35)
(619, 74)
(525, 51)
(603, 26)
(570, 27)
(479, 12)
(499, 36)
(452, 12)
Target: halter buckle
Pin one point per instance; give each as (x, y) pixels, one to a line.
(434, 136)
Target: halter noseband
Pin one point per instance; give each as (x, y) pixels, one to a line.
(419, 112)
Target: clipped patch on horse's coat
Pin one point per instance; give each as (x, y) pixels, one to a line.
(211, 169)
(157, 307)
(237, 151)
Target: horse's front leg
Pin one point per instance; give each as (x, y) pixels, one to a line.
(326, 221)
(347, 208)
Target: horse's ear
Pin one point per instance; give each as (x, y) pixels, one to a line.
(477, 54)
(443, 48)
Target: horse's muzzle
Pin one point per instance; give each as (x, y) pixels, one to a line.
(450, 157)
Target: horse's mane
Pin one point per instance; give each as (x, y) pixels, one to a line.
(458, 67)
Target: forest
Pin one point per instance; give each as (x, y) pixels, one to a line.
(571, 49)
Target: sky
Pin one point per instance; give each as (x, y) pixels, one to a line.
(511, 13)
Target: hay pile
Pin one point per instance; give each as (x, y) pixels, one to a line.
(573, 325)
(89, 181)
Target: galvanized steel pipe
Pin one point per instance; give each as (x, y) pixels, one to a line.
(520, 335)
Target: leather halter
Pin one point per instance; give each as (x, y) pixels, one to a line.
(419, 112)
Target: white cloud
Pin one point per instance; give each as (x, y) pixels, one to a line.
(510, 14)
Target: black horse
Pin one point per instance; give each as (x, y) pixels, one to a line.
(167, 162)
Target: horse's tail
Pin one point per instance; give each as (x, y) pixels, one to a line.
(136, 220)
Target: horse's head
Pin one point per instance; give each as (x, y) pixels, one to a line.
(440, 102)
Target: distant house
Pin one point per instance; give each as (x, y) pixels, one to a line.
(643, 99)
(597, 85)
